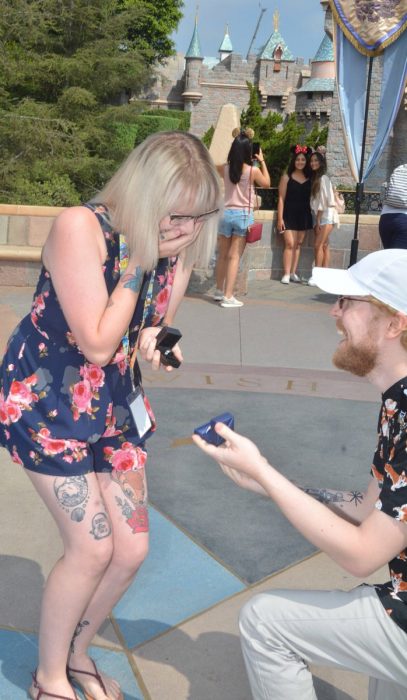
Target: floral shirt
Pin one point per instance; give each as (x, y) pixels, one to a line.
(57, 410)
(390, 469)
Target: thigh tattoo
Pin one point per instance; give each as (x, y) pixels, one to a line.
(100, 526)
(72, 494)
(134, 504)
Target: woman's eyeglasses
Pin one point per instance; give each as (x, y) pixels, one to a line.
(183, 219)
(341, 300)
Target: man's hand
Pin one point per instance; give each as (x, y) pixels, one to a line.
(238, 457)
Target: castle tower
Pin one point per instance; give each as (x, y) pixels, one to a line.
(226, 48)
(314, 97)
(277, 71)
(193, 64)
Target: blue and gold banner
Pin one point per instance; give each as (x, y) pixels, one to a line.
(370, 25)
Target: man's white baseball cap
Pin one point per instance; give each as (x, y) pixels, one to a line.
(382, 275)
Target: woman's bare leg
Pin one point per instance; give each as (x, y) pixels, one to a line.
(74, 502)
(125, 496)
(222, 261)
(321, 245)
(288, 251)
(236, 249)
(298, 241)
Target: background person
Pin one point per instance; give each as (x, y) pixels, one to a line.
(324, 213)
(393, 219)
(293, 210)
(365, 629)
(239, 177)
(67, 385)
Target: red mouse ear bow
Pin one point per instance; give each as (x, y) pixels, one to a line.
(301, 149)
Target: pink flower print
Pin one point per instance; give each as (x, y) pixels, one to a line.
(125, 458)
(20, 392)
(110, 423)
(3, 409)
(54, 446)
(150, 412)
(93, 374)
(13, 412)
(120, 359)
(161, 301)
(16, 457)
(51, 446)
(37, 309)
(81, 398)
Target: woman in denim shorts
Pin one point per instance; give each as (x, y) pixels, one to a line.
(324, 213)
(239, 177)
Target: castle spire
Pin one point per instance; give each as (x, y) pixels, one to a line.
(226, 47)
(194, 50)
(276, 20)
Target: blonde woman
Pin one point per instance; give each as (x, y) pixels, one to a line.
(72, 409)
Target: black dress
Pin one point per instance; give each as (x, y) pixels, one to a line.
(297, 211)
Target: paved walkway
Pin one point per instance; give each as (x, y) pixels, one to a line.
(174, 634)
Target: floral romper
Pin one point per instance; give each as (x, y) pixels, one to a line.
(60, 414)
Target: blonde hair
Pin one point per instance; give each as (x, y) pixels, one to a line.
(170, 172)
(385, 308)
(248, 131)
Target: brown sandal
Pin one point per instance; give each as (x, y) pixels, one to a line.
(43, 693)
(96, 675)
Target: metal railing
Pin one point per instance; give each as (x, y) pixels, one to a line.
(371, 201)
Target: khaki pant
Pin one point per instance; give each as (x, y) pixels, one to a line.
(283, 631)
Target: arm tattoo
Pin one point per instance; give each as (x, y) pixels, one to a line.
(326, 496)
(133, 280)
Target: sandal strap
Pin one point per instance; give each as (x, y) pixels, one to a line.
(42, 692)
(95, 674)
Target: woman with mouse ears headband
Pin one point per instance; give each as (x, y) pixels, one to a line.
(293, 210)
(72, 409)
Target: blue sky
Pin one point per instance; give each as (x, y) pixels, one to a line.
(300, 24)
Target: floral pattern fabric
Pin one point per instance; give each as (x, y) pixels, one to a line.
(390, 469)
(59, 413)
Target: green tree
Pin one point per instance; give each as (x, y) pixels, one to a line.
(67, 71)
(276, 135)
(155, 22)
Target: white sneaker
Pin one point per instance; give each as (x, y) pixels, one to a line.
(230, 303)
(294, 277)
(218, 295)
(311, 282)
(285, 279)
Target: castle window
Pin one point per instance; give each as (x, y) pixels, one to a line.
(310, 95)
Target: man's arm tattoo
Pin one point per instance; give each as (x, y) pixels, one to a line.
(133, 280)
(326, 496)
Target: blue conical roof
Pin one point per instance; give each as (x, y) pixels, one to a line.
(226, 44)
(276, 40)
(194, 50)
(325, 51)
